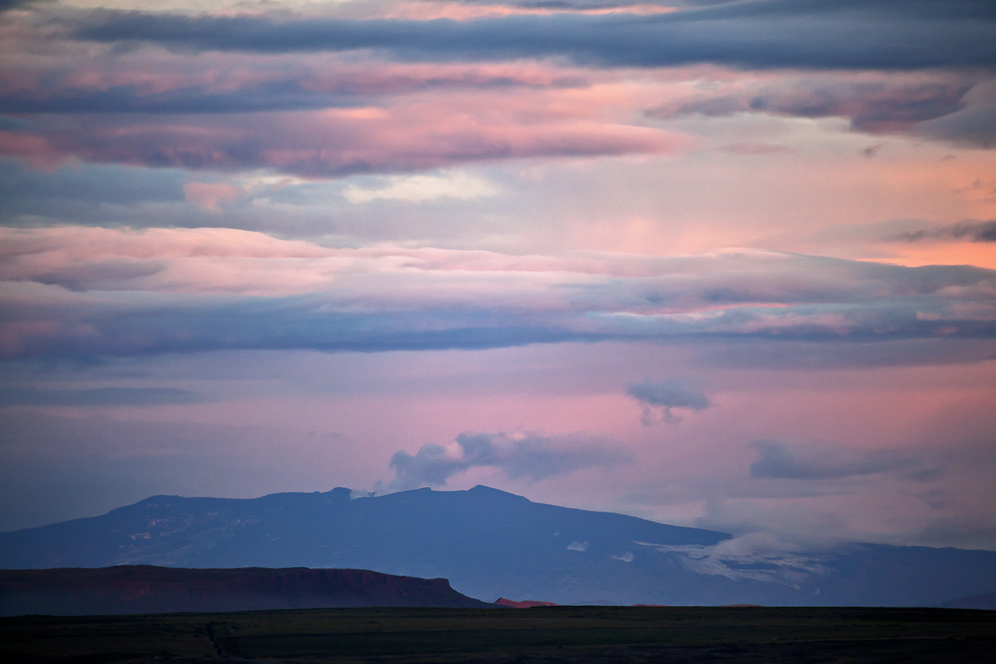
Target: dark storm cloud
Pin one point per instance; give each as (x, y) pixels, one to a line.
(771, 33)
(530, 456)
(974, 231)
(661, 396)
(27, 395)
(813, 461)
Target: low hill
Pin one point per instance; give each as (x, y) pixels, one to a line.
(147, 589)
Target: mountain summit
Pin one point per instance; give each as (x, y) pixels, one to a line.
(492, 544)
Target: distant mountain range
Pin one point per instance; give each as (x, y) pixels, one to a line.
(146, 589)
(986, 601)
(492, 544)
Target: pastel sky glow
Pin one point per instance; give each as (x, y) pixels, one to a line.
(722, 264)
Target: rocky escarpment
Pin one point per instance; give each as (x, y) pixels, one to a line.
(149, 589)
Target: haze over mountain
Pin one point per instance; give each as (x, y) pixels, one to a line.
(492, 544)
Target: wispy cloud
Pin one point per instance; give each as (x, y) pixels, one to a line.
(821, 461)
(873, 102)
(973, 231)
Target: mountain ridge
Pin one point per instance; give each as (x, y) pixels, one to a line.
(491, 543)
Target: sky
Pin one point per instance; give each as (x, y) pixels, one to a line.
(719, 264)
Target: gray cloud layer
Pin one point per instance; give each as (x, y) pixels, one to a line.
(132, 99)
(877, 107)
(529, 456)
(976, 231)
(27, 395)
(293, 91)
(779, 460)
(767, 33)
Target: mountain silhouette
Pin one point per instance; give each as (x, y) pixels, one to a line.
(493, 544)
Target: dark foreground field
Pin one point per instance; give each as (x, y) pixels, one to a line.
(539, 635)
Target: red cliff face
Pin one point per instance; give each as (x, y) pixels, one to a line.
(146, 589)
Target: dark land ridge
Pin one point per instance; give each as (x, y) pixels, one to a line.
(542, 635)
(147, 589)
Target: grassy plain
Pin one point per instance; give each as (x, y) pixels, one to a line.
(547, 635)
